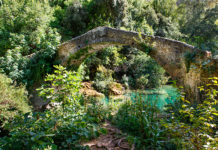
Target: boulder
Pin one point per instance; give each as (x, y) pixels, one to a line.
(88, 91)
(116, 88)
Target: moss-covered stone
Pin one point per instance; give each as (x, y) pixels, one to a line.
(78, 54)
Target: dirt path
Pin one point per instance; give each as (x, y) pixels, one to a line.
(113, 140)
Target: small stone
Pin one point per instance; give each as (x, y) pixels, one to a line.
(99, 145)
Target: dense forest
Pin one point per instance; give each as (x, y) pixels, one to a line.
(120, 97)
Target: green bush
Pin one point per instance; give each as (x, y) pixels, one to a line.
(62, 87)
(13, 100)
(97, 111)
(59, 128)
(142, 82)
(141, 70)
(29, 28)
(194, 126)
(14, 65)
(49, 129)
(76, 18)
(130, 66)
(28, 33)
(199, 24)
(28, 70)
(140, 120)
(103, 78)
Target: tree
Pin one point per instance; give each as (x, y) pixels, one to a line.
(199, 23)
(24, 30)
(24, 23)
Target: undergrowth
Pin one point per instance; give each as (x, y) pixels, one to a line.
(13, 100)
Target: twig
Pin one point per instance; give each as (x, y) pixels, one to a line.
(120, 142)
(133, 146)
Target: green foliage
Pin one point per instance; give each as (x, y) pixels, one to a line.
(144, 16)
(28, 44)
(100, 68)
(29, 70)
(189, 59)
(181, 126)
(41, 63)
(156, 17)
(97, 111)
(142, 71)
(13, 100)
(53, 128)
(49, 129)
(199, 23)
(79, 54)
(103, 73)
(139, 118)
(14, 64)
(115, 64)
(142, 82)
(136, 20)
(63, 87)
(76, 18)
(24, 24)
(167, 15)
(29, 37)
(102, 79)
(193, 127)
(30, 131)
(111, 12)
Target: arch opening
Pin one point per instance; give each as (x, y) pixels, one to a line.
(122, 72)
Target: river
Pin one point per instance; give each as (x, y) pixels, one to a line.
(160, 97)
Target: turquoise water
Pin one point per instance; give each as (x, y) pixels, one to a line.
(160, 97)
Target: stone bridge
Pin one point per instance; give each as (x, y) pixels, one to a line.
(184, 63)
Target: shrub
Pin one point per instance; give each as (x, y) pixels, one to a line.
(142, 71)
(49, 129)
(142, 82)
(13, 100)
(128, 65)
(96, 111)
(28, 44)
(102, 79)
(29, 27)
(59, 128)
(75, 19)
(139, 118)
(14, 64)
(62, 87)
(194, 127)
(27, 70)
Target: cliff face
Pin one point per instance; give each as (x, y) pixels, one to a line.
(185, 64)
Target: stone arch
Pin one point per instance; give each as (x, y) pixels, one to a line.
(170, 54)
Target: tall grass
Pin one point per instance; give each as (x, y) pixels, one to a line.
(139, 118)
